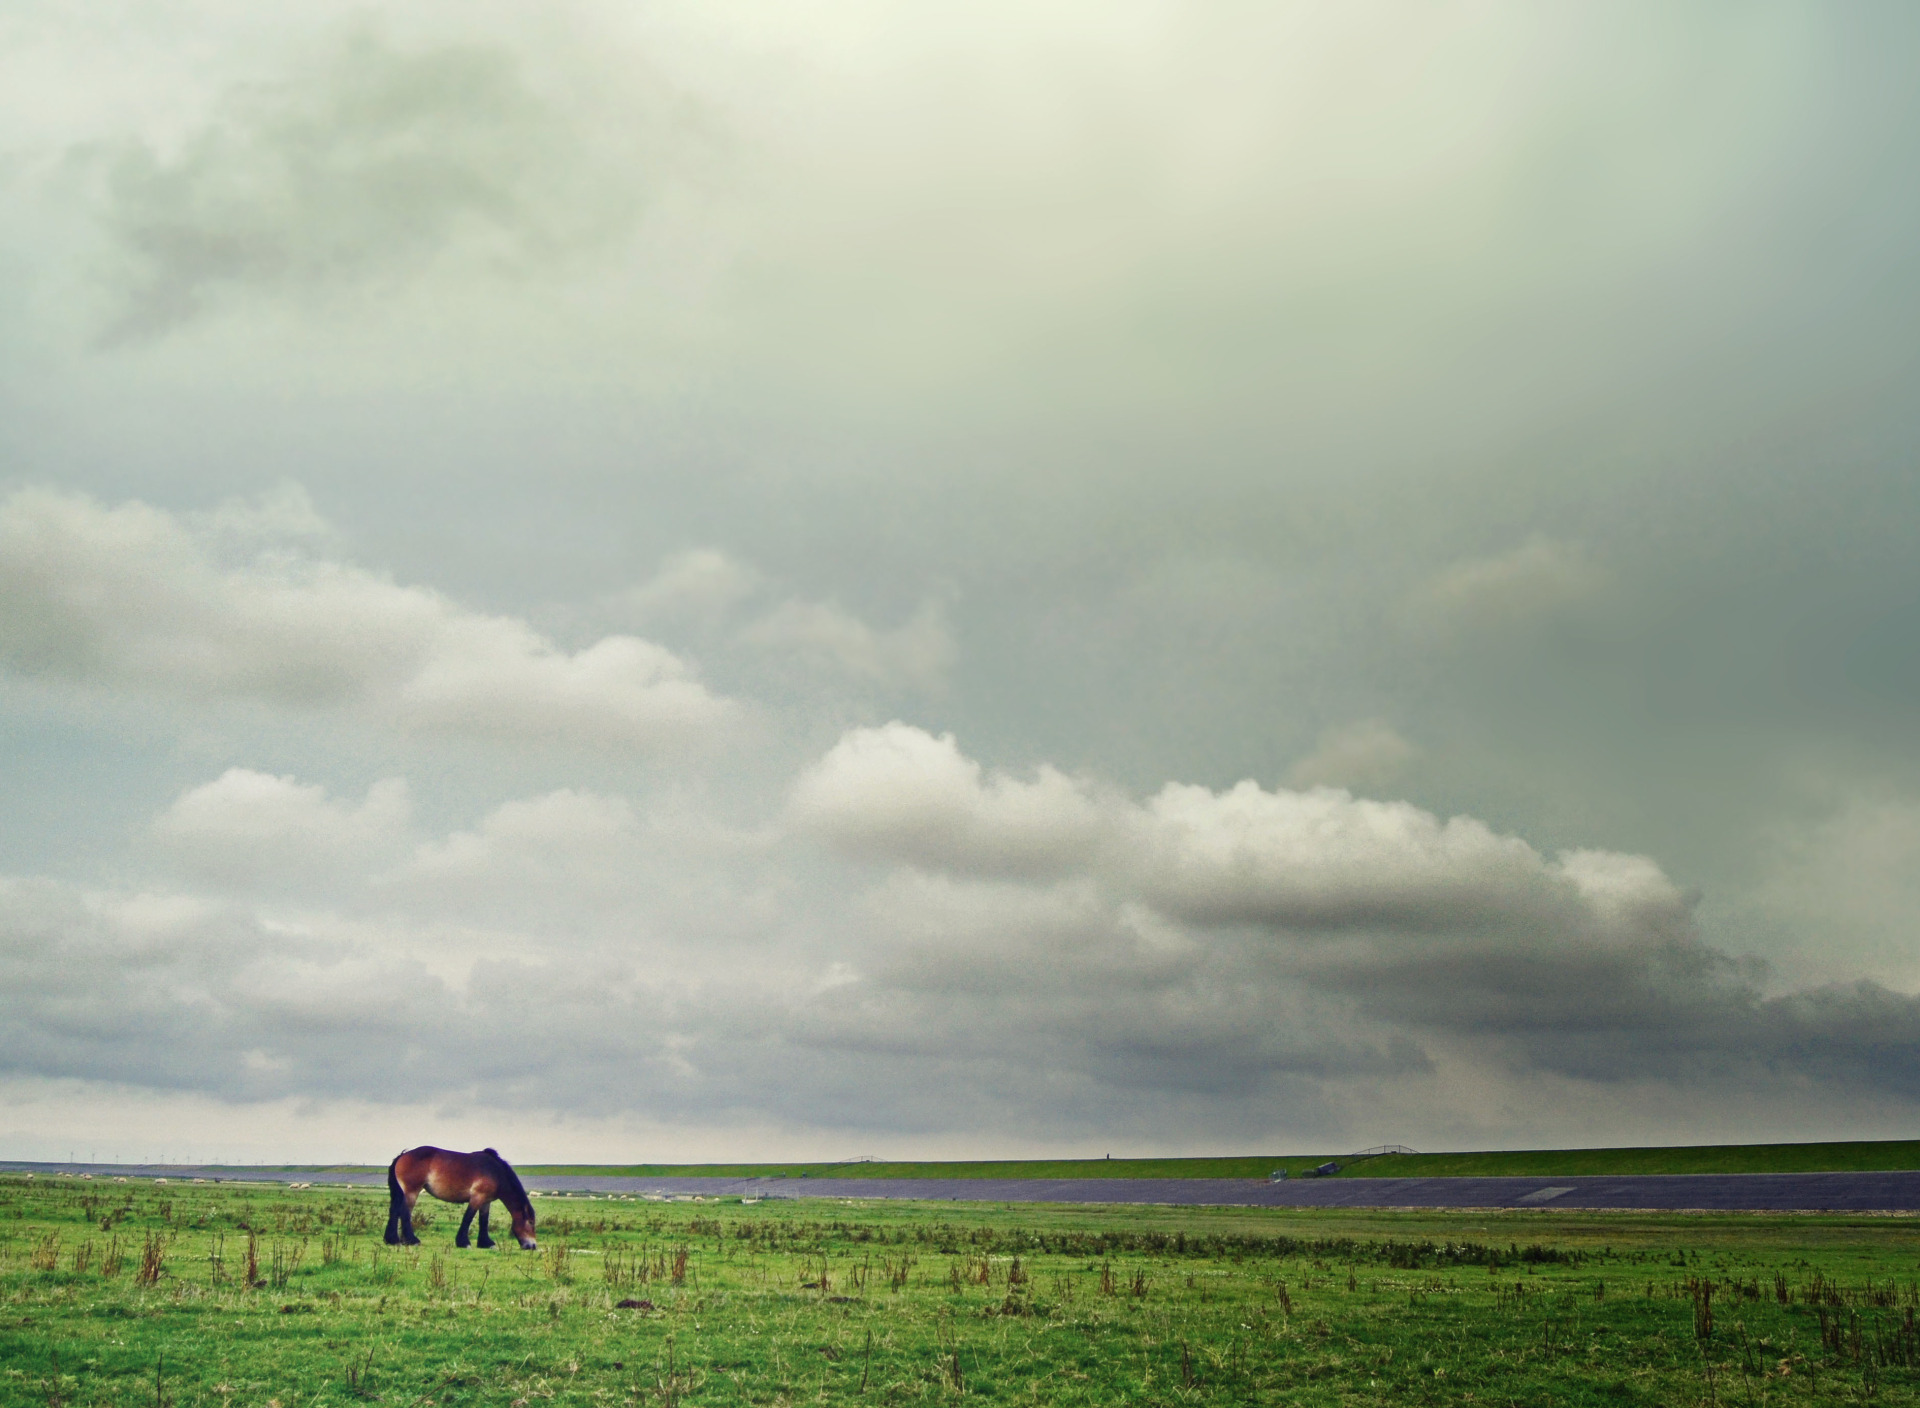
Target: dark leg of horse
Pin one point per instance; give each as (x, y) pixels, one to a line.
(396, 1209)
(400, 1227)
(485, 1240)
(460, 1238)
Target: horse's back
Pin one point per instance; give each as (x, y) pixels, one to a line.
(412, 1165)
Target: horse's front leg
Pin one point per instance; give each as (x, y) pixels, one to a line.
(485, 1240)
(460, 1239)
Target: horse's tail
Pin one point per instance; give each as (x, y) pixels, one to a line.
(395, 1197)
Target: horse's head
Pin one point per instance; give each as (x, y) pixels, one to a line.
(523, 1225)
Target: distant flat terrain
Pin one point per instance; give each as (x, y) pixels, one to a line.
(1860, 1156)
(1891, 1191)
(1735, 1192)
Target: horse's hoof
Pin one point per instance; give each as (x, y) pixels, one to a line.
(484, 1246)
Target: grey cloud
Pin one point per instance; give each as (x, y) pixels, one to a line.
(1532, 584)
(1231, 1013)
(770, 632)
(1681, 1013)
(1365, 755)
(1197, 961)
(1063, 942)
(573, 863)
(939, 1003)
(171, 993)
(363, 166)
(180, 994)
(1588, 965)
(1851, 874)
(917, 654)
(701, 582)
(569, 851)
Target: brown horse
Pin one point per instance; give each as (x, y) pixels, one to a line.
(474, 1179)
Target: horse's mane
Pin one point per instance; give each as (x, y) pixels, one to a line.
(512, 1191)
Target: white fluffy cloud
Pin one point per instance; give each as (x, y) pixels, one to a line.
(1315, 860)
(1326, 860)
(248, 825)
(567, 845)
(897, 792)
(134, 596)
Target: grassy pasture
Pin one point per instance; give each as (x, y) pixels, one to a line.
(182, 1294)
(1858, 1156)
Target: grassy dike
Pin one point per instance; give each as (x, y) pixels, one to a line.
(1861, 1156)
(183, 1294)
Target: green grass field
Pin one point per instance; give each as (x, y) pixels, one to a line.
(1528, 1163)
(182, 1294)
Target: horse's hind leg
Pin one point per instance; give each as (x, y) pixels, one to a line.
(396, 1209)
(485, 1241)
(460, 1238)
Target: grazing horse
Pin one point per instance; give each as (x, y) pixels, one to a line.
(473, 1179)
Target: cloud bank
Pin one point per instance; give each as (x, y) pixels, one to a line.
(1007, 954)
(134, 597)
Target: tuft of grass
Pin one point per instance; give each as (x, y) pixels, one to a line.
(284, 1261)
(153, 1259)
(45, 1255)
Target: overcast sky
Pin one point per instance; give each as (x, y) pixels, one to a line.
(740, 580)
